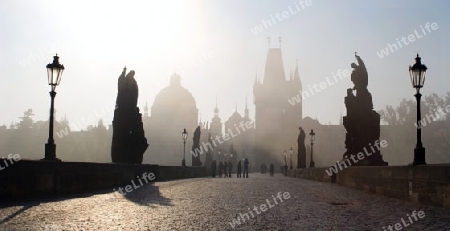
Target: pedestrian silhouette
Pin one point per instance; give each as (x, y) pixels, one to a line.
(246, 167)
(239, 169)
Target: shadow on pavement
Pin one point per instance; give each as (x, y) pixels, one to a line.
(148, 195)
(25, 206)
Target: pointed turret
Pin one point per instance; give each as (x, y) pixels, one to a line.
(274, 70)
(216, 124)
(216, 110)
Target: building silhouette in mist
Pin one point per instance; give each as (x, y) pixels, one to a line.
(276, 120)
(174, 108)
(243, 138)
(275, 125)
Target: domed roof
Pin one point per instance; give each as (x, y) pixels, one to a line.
(174, 97)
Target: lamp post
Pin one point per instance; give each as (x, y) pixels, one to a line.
(417, 74)
(312, 136)
(285, 163)
(290, 152)
(184, 136)
(54, 73)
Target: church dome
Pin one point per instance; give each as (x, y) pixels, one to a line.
(174, 99)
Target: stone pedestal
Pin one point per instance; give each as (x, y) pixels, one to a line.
(362, 122)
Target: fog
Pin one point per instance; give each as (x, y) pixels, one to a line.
(272, 65)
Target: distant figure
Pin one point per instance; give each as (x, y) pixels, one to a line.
(272, 170)
(225, 169)
(246, 168)
(230, 166)
(301, 154)
(213, 168)
(239, 169)
(196, 146)
(220, 169)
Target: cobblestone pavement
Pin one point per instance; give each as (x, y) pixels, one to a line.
(212, 204)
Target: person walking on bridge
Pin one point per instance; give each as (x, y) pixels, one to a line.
(246, 167)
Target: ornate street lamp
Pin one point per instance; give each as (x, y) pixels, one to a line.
(417, 74)
(184, 136)
(290, 152)
(312, 136)
(54, 73)
(285, 163)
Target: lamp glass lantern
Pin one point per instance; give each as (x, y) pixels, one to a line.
(312, 135)
(417, 73)
(54, 72)
(184, 135)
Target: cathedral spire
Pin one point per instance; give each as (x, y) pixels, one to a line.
(216, 110)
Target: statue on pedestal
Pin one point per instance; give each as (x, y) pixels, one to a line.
(301, 154)
(128, 141)
(196, 146)
(362, 122)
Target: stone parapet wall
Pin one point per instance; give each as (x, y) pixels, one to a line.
(429, 184)
(29, 178)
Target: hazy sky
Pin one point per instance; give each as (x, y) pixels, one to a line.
(212, 46)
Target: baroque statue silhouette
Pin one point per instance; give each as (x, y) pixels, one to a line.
(361, 122)
(301, 154)
(128, 141)
(196, 146)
